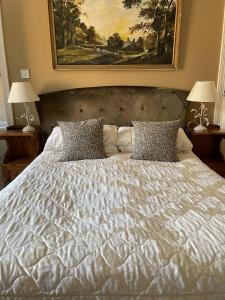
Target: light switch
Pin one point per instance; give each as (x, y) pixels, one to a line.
(24, 73)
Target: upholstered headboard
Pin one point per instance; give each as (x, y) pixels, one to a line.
(119, 105)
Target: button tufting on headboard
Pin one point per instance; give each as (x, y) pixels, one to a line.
(119, 105)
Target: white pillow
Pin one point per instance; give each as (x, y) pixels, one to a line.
(126, 140)
(126, 149)
(55, 141)
(110, 136)
(183, 143)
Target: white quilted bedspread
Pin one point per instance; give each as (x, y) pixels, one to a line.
(113, 229)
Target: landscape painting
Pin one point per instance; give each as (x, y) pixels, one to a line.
(115, 33)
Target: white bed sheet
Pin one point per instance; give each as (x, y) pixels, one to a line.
(181, 155)
(113, 229)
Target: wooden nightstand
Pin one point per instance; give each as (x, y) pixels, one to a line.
(207, 146)
(22, 148)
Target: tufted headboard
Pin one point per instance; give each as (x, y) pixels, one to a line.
(119, 105)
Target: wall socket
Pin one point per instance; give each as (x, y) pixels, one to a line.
(24, 73)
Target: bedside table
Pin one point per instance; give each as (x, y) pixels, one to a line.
(22, 148)
(207, 146)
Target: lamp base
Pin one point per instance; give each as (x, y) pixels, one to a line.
(28, 128)
(200, 127)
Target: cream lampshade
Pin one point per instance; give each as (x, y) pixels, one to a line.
(203, 91)
(22, 92)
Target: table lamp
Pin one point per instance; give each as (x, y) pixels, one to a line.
(22, 92)
(203, 91)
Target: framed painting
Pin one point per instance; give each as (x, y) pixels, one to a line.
(118, 34)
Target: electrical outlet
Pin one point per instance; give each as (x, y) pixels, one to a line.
(24, 73)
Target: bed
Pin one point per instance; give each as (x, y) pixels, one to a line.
(114, 228)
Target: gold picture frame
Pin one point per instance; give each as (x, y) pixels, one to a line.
(83, 48)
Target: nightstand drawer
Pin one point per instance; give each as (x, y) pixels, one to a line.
(207, 146)
(218, 167)
(23, 147)
(10, 174)
(14, 168)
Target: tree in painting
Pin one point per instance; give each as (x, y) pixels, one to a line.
(115, 42)
(119, 32)
(67, 16)
(159, 17)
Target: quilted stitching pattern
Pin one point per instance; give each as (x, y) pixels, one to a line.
(113, 228)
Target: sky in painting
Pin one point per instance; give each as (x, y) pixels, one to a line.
(109, 16)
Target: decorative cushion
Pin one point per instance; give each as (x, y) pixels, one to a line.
(126, 140)
(55, 141)
(155, 141)
(82, 140)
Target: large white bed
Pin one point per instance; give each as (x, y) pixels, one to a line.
(114, 228)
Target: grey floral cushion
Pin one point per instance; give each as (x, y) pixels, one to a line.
(155, 141)
(82, 140)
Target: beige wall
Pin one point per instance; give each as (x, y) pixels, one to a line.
(28, 46)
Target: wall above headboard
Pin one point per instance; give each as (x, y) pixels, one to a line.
(119, 105)
(29, 36)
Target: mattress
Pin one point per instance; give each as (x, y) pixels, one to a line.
(113, 229)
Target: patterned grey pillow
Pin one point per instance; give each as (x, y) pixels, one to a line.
(82, 140)
(155, 141)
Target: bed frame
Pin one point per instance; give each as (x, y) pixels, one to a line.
(118, 104)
